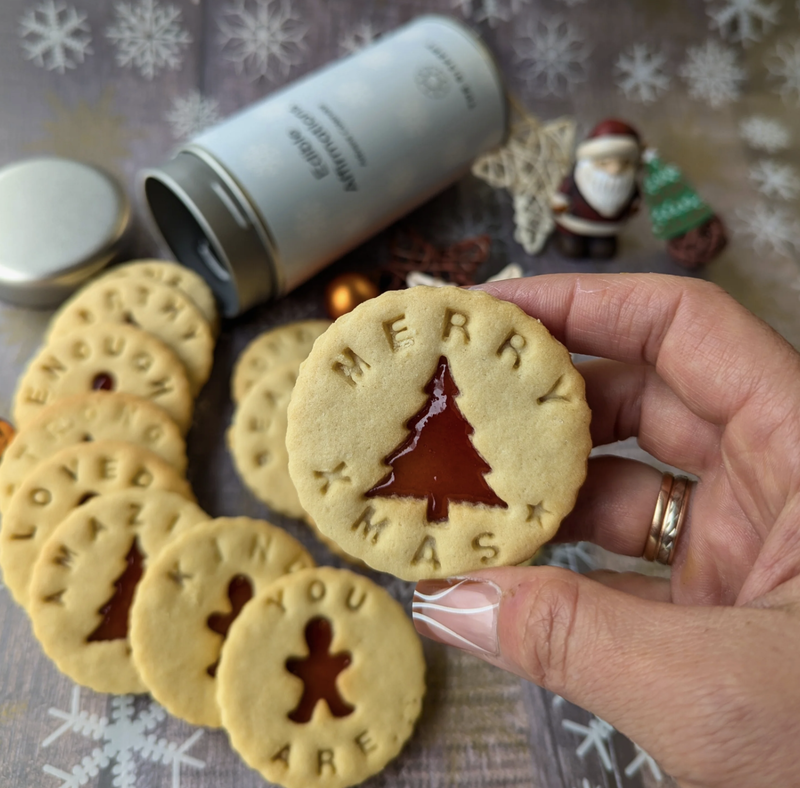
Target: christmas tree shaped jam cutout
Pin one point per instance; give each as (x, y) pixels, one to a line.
(438, 461)
(114, 624)
(319, 671)
(240, 592)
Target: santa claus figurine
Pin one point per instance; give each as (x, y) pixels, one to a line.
(600, 194)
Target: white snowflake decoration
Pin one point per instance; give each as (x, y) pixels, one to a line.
(643, 759)
(770, 230)
(775, 179)
(124, 736)
(55, 36)
(492, 12)
(575, 557)
(764, 134)
(192, 113)
(555, 52)
(361, 36)
(744, 20)
(262, 38)
(784, 63)
(597, 736)
(642, 77)
(712, 74)
(148, 36)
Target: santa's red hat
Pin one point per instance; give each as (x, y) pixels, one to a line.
(610, 138)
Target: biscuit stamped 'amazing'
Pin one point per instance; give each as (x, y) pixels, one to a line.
(434, 431)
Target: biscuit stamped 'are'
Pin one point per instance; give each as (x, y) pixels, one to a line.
(434, 431)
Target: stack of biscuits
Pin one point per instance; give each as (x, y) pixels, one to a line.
(132, 587)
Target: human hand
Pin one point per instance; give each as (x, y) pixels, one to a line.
(700, 670)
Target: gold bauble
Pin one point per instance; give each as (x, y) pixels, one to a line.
(344, 293)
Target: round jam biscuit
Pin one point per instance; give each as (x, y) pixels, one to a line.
(163, 311)
(190, 596)
(105, 357)
(98, 415)
(321, 680)
(62, 483)
(174, 275)
(257, 440)
(290, 343)
(433, 431)
(86, 575)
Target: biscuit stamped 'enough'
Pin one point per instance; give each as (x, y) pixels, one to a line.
(434, 431)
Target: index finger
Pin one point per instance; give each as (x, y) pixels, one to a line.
(708, 348)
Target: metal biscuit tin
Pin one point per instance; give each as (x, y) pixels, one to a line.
(265, 199)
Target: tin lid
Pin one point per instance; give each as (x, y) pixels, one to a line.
(61, 221)
(204, 217)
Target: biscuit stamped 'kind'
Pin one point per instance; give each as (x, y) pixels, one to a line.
(433, 431)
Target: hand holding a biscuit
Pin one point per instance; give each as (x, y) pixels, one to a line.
(700, 670)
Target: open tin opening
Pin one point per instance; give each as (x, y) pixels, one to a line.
(200, 220)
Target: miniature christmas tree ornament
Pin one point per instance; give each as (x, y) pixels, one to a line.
(694, 234)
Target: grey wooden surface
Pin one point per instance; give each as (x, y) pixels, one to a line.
(481, 728)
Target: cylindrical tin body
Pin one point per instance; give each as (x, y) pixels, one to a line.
(265, 199)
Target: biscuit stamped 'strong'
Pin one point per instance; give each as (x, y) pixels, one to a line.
(437, 430)
(312, 693)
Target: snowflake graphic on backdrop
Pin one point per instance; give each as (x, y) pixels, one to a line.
(744, 20)
(362, 35)
(764, 133)
(641, 74)
(643, 759)
(55, 36)
(597, 736)
(784, 63)
(769, 230)
(123, 737)
(262, 36)
(576, 557)
(775, 179)
(490, 11)
(712, 74)
(192, 113)
(555, 54)
(148, 36)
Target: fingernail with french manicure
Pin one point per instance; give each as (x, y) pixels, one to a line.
(458, 612)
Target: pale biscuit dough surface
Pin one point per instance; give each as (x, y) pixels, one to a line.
(257, 440)
(61, 484)
(285, 728)
(518, 432)
(289, 343)
(134, 361)
(163, 311)
(97, 415)
(189, 585)
(82, 582)
(175, 275)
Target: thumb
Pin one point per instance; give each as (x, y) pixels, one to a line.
(667, 676)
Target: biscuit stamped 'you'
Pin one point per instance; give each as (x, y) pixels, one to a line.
(434, 431)
(312, 691)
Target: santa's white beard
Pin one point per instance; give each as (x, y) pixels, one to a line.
(606, 193)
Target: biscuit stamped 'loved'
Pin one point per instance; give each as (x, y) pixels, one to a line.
(433, 431)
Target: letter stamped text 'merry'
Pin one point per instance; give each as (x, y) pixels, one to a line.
(429, 423)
